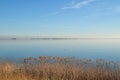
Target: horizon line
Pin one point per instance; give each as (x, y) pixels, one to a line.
(59, 38)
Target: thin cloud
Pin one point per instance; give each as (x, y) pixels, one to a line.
(71, 6)
(78, 4)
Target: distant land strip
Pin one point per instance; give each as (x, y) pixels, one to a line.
(59, 38)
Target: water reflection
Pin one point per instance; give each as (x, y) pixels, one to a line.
(94, 49)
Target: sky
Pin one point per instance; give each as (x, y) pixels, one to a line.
(60, 18)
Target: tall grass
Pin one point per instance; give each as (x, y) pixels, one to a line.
(60, 68)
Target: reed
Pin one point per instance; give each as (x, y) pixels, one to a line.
(60, 68)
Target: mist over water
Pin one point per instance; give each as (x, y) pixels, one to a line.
(89, 49)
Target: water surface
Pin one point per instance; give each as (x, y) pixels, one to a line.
(90, 49)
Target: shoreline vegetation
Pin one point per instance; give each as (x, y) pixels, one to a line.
(59, 68)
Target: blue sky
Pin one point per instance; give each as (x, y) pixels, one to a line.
(53, 18)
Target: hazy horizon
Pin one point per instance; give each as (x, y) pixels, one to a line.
(81, 36)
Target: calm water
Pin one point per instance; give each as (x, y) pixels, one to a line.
(93, 49)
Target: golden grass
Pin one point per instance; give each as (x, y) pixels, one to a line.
(59, 68)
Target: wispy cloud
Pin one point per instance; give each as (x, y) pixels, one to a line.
(71, 6)
(77, 5)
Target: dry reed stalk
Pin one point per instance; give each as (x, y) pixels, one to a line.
(59, 68)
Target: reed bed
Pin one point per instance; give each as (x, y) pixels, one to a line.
(60, 68)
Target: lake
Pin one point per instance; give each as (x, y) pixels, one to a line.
(88, 49)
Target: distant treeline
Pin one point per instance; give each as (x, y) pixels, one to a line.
(59, 38)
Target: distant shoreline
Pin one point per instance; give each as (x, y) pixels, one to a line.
(59, 38)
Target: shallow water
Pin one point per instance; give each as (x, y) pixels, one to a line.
(90, 49)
